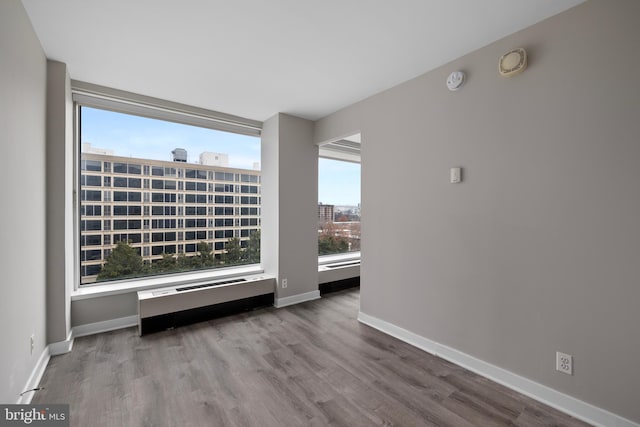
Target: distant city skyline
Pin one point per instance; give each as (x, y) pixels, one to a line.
(140, 137)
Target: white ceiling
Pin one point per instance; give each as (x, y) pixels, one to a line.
(255, 58)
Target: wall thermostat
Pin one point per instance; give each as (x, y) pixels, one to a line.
(512, 63)
(455, 80)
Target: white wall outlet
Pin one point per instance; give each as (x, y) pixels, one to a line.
(284, 283)
(564, 363)
(32, 342)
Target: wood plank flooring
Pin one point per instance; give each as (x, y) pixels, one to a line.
(311, 364)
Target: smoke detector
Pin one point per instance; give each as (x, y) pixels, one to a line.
(455, 80)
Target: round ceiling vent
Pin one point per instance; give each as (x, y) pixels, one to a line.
(512, 63)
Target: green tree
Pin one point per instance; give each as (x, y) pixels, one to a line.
(123, 261)
(332, 245)
(233, 252)
(166, 264)
(205, 257)
(252, 253)
(184, 263)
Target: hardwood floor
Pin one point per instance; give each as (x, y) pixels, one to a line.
(311, 364)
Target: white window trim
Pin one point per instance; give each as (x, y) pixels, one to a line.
(346, 150)
(91, 95)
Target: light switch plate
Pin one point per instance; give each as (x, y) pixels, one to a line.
(456, 175)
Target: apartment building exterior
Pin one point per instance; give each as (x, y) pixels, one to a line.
(162, 207)
(325, 213)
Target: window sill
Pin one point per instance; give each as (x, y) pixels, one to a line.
(331, 259)
(134, 285)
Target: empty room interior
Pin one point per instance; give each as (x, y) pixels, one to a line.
(183, 245)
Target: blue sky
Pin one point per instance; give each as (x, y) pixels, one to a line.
(338, 182)
(133, 136)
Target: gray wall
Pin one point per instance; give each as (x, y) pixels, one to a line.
(270, 226)
(100, 309)
(289, 204)
(537, 251)
(22, 220)
(59, 192)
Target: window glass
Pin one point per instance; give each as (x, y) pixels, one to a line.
(91, 210)
(91, 180)
(177, 208)
(91, 240)
(90, 225)
(135, 183)
(90, 165)
(91, 255)
(134, 169)
(338, 207)
(91, 195)
(222, 176)
(120, 167)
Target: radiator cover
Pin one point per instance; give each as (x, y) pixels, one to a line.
(160, 309)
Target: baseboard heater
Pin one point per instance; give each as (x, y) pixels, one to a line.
(338, 271)
(339, 285)
(165, 308)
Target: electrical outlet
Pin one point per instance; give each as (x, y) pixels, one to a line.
(32, 342)
(564, 363)
(284, 283)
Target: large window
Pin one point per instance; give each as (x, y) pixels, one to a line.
(161, 197)
(338, 207)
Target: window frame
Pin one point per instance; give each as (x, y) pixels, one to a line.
(93, 96)
(347, 156)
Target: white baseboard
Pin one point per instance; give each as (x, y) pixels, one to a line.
(65, 346)
(35, 377)
(105, 326)
(61, 347)
(297, 299)
(565, 403)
